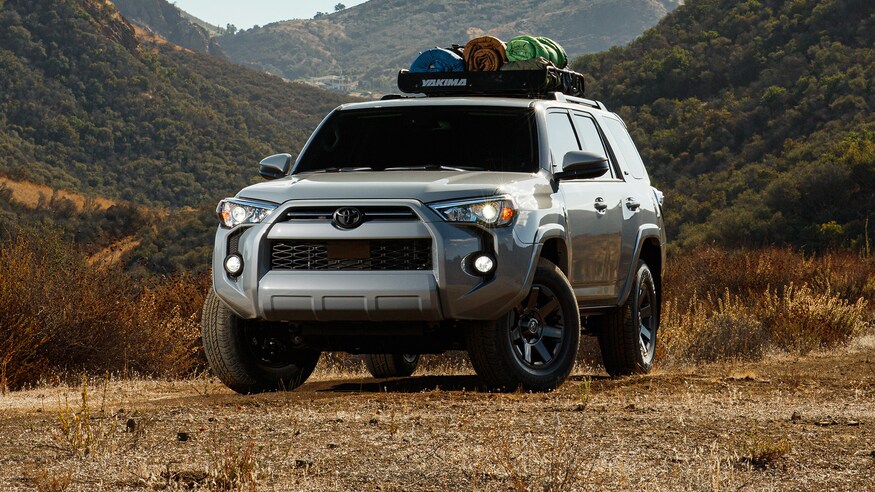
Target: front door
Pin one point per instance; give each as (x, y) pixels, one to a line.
(593, 208)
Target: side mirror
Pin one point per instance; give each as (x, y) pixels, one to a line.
(582, 165)
(275, 166)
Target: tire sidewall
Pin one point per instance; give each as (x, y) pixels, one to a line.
(225, 347)
(643, 275)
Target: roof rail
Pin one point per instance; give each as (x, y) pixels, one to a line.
(561, 97)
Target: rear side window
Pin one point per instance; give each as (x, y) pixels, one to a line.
(627, 151)
(561, 135)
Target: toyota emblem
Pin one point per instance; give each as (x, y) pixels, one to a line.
(348, 217)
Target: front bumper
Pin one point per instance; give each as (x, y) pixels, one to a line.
(445, 292)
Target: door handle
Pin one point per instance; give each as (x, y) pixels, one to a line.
(633, 204)
(600, 205)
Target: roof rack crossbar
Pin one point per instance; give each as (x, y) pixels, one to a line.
(560, 96)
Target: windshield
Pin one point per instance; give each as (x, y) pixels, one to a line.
(425, 137)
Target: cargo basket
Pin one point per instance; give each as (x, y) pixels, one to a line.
(512, 83)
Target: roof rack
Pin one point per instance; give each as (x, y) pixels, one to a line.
(533, 84)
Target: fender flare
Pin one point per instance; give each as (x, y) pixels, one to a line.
(648, 231)
(543, 234)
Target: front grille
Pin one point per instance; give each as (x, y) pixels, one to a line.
(381, 213)
(373, 255)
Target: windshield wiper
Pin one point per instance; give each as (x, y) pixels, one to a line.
(341, 169)
(435, 167)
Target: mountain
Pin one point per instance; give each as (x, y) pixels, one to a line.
(370, 42)
(86, 105)
(757, 118)
(91, 104)
(171, 23)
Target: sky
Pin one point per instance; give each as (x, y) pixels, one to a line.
(251, 12)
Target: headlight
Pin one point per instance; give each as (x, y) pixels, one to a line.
(497, 211)
(233, 211)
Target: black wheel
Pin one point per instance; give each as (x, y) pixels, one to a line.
(253, 357)
(391, 365)
(628, 337)
(533, 346)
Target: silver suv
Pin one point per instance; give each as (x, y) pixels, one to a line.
(504, 226)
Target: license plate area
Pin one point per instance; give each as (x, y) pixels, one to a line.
(349, 250)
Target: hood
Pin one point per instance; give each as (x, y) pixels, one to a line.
(425, 186)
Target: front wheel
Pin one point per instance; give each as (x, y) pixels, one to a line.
(628, 337)
(253, 357)
(534, 346)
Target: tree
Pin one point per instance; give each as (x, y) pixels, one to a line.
(339, 7)
(320, 15)
(231, 29)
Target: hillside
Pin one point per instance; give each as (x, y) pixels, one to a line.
(757, 118)
(371, 41)
(171, 23)
(87, 106)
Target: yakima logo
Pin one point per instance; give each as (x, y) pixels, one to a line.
(445, 83)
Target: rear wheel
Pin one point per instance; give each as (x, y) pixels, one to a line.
(391, 365)
(253, 357)
(534, 346)
(628, 337)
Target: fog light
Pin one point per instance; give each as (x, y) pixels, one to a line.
(234, 265)
(484, 264)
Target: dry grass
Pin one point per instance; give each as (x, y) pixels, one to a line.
(59, 316)
(783, 422)
(786, 423)
(78, 433)
(45, 480)
(739, 305)
(765, 453)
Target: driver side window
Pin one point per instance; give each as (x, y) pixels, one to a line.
(592, 141)
(561, 136)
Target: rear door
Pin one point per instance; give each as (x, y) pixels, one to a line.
(593, 209)
(637, 197)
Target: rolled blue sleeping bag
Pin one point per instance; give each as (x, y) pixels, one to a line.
(438, 60)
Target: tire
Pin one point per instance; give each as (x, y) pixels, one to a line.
(391, 365)
(534, 345)
(252, 357)
(628, 337)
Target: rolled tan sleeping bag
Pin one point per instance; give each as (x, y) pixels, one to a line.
(485, 54)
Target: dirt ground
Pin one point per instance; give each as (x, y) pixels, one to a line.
(786, 423)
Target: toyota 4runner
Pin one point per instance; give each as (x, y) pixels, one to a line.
(482, 218)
